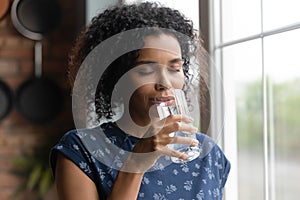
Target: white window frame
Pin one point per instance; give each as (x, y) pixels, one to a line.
(228, 106)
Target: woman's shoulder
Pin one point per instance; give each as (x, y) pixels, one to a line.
(210, 148)
(81, 135)
(206, 142)
(77, 134)
(214, 155)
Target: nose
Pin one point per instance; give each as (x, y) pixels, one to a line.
(163, 82)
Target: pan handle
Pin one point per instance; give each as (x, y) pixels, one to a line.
(38, 59)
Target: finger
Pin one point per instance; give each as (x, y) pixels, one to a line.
(168, 124)
(178, 118)
(184, 140)
(187, 128)
(186, 119)
(179, 126)
(173, 153)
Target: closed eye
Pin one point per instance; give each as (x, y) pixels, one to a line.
(144, 72)
(145, 68)
(176, 65)
(174, 69)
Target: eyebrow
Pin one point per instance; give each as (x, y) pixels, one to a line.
(142, 62)
(175, 60)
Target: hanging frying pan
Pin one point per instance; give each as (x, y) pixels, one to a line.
(4, 6)
(38, 99)
(35, 18)
(6, 98)
(5, 92)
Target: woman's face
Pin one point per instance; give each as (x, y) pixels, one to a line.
(158, 69)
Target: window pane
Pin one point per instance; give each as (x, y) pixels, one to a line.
(279, 13)
(240, 19)
(94, 7)
(242, 65)
(283, 64)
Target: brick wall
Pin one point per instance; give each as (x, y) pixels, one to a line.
(17, 135)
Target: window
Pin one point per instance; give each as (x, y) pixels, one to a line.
(254, 44)
(94, 7)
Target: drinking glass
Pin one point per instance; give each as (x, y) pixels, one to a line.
(180, 106)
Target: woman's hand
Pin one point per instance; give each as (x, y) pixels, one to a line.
(155, 141)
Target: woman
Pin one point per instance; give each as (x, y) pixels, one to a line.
(126, 157)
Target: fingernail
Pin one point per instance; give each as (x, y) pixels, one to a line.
(183, 157)
(195, 142)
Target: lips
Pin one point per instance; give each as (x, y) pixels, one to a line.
(167, 100)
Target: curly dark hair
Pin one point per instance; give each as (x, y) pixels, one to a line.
(154, 19)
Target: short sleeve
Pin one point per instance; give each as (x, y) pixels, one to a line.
(223, 166)
(73, 149)
(215, 157)
(226, 171)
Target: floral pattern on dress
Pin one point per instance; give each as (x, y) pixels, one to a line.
(202, 178)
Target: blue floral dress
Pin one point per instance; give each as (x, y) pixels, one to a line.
(99, 152)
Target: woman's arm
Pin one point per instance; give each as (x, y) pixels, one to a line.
(72, 183)
(127, 186)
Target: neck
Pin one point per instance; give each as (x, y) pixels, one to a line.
(132, 127)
